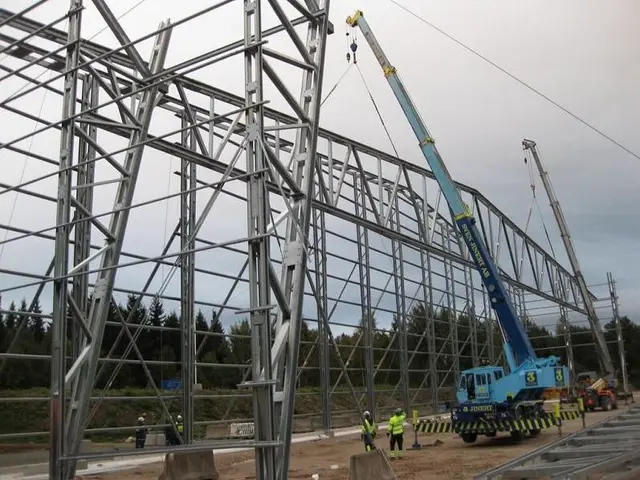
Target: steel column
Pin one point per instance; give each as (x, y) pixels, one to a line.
(82, 235)
(619, 338)
(258, 249)
(58, 440)
(322, 309)
(84, 369)
(188, 183)
(294, 269)
(400, 295)
(366, 315)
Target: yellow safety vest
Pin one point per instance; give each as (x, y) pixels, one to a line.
(369, 427)
(396, 426)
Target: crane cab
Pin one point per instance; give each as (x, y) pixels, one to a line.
(477, 385)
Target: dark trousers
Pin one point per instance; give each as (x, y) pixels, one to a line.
(368, 442)
(394, 440)
(141, 439)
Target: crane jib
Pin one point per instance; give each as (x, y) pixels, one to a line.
(517, 342)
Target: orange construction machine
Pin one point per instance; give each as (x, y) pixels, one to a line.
(601, 393)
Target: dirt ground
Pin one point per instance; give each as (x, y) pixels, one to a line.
(452, 460)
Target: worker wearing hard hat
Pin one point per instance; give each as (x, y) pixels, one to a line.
(171, 432)
(141, 433)
(180, 427)
(368, 434)
(395, 432)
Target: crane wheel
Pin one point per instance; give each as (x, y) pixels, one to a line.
(469, 437)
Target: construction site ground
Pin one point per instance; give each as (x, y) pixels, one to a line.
(452, 459)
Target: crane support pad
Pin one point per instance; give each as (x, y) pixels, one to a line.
(486, 426)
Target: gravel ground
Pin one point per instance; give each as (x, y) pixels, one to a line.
(450, 460)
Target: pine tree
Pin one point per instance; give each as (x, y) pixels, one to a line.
(36, 323)
(11, 319)
(171, 351)
(3, 330)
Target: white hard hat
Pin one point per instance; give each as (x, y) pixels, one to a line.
(367, 413)
(179, 417)
(140, 419)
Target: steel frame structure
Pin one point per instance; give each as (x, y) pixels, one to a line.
(304, 186)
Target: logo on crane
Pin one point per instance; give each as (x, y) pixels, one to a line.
(475, 250)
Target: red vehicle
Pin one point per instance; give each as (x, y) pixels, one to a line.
(600, 394)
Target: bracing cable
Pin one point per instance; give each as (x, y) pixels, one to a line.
(336, 85)
(375, 105)
(519, 80)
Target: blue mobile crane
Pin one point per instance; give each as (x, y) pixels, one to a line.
(488, 392)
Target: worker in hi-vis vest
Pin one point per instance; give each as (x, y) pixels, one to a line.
(180, 427)
(395, 432)
(368, 434)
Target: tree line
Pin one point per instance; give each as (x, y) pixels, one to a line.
(232, 353)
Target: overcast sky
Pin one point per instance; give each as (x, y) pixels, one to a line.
(583, 54)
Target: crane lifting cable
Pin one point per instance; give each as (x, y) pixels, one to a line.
(352, 60)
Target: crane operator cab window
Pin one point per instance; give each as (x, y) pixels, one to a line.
(467, 383)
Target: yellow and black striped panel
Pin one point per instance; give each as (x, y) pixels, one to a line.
(506, 425)
(488, 426)
(433, 427)
(569, 414)
(565, 414)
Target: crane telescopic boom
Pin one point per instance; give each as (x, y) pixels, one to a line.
(601, 345)
(518, 348)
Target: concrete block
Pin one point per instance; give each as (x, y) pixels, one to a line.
(155, 440)
(189, 466)
(216, 431)
(373, 465)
